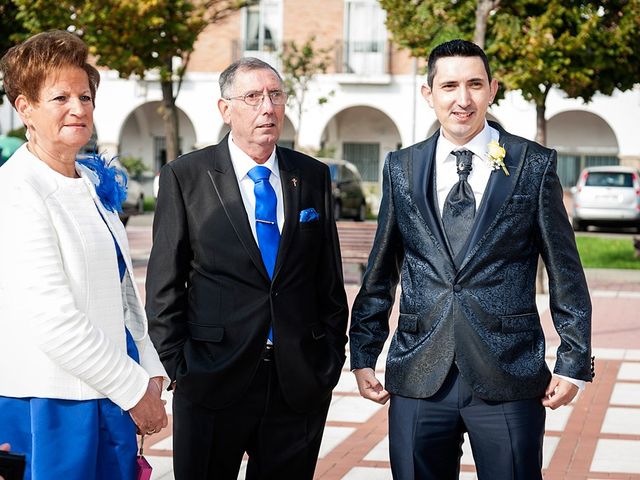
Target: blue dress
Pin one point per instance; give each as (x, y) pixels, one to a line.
(72, 439)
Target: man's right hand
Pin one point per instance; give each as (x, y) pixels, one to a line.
(149, 414)
(369, 386)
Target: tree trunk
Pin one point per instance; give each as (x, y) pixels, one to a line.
(541, 123)
(170, 119)
(483, 10)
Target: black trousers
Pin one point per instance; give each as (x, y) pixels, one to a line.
(426, 435)
(281, 444)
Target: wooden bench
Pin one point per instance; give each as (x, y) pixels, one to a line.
(356, 239)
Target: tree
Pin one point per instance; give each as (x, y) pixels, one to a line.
(9, 28)
(300, 64)
(579, 47)
(136, 37)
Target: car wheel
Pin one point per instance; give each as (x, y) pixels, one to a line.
(362, 213)
(140, 205)
(337, 210)
(577, 225)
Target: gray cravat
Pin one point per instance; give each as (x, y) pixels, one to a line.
(460, 205)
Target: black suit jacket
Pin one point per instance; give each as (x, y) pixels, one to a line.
(476, 309)
(210, 301)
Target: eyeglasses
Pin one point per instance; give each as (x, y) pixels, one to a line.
(277, 97)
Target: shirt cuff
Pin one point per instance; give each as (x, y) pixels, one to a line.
(578, 383)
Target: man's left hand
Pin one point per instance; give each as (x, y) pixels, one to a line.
(559, 392)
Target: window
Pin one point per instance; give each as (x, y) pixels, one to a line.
(160, 151)
(365, 38)
(609, 179)
(262, 31)
(366, 157)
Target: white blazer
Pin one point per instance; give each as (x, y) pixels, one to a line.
(63, 309)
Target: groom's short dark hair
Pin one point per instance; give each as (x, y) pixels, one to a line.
(455, 48)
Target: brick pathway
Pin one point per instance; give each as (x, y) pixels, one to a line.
(595, 438)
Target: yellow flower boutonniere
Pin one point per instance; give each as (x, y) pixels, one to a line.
(495, 155)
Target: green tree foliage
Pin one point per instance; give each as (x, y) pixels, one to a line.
(579, 47)
(582, 48)
(9, 27)
(300, 64)
(135, 37)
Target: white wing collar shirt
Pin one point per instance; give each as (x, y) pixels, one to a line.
(242, 163)
(447, 173)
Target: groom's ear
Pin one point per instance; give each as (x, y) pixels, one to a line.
(426, 94)
(493, 87)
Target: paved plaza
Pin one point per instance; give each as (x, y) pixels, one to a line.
(595, 438)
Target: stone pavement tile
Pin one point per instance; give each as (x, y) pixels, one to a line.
(549, 446)
(351, 409)
(380, 452)
(332, 437)
(162, 467)
(557, 419)
(622, 421)
(626, 394)
(608, 353)
(368, 473)
(632, 354)
(346, 384)
(616, 456)
(629, 371)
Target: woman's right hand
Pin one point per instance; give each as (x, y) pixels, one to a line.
(5, 447)
(149, 414)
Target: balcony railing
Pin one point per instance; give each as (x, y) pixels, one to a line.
(365, 58)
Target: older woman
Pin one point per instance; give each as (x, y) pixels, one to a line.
(74, 348)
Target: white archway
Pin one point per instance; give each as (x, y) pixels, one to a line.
(582, 139)
(142, 135)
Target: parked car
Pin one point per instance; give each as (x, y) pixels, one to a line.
(607, 196)
(134, 203)
(348, 193)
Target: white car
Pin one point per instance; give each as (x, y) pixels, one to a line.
(607, 196)
(156, 185)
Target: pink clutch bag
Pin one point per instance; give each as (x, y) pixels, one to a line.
(143, 468)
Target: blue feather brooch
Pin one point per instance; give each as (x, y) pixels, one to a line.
(111, 186)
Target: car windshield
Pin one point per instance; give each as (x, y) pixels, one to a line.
(609, 179)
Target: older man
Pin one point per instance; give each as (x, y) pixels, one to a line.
(244, 292)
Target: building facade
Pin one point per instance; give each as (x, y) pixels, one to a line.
(373, 89)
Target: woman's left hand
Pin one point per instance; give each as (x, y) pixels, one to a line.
(149, 414)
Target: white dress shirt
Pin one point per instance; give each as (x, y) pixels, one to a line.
(242, 163)
(447, 176)
(447, 173)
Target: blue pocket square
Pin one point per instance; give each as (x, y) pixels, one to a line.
(309, 215)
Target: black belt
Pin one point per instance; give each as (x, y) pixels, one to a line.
(267, 353)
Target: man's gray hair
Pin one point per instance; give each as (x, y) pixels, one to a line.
(244, 64)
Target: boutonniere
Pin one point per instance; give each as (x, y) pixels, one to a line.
(495, 155)
(110, 182)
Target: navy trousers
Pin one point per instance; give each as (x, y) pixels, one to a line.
(426, 435)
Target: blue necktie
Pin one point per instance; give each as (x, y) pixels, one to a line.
(266, 219)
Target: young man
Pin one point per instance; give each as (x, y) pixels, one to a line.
(462, 223)
(245, 294)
